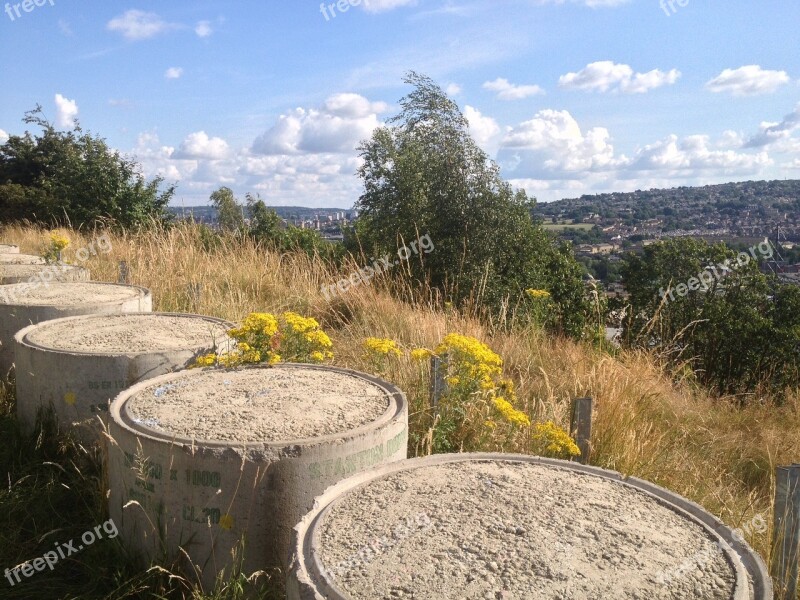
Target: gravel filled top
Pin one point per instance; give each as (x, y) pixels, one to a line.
(9, 270)
(259, 405)
(128, 333)
(511, 530)
(21, 259)
(66, 294)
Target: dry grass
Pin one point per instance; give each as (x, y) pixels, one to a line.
(704, 448)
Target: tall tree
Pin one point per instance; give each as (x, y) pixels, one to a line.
(60, 176)
(229, 211)
(423, 174)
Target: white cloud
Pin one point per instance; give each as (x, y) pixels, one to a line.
(337, 126)
(66, 111)
(173, 73)
(3, 136)
(138, 25)
(694, 153)
(749, 80)
(509, 91)
(376, 6)
(203, 29)
(552, 149)
(774, 133)
(484, 130)
(453, 89)
(553, 140)
(608, 76)
(198, 145)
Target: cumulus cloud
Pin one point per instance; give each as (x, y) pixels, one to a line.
(552, 144)
(66, 111)
(509, 91)
(773, 133)
(199, 145)
(484, 130)
(173, 73)
(608, 76)
(203, 29)
(552, 147)
(3, 137)
(749, 80)
(694, 153)
(335, 127)
(453, 89)
(138, 25)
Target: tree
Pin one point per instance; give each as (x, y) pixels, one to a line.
(73, 176)
(267, 227)
(229, 211)
(423, 174)
(711, 306)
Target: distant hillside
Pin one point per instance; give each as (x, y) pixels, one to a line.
(730, 210)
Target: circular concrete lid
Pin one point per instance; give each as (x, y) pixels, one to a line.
(21, 259)
(69, 294)
(496, 509)
(259, 404)
(38, 273)
(129, 333)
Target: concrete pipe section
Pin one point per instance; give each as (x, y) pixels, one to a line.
(212, 457)
(9, 249)
(22, 305)
(77, 364)
(37, 275)
(511, 526)
(21, 259)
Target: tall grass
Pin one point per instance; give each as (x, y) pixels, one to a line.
(706, 448)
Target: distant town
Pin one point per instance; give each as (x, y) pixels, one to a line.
(330, 222)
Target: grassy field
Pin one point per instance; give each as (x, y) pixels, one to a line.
(648, 423)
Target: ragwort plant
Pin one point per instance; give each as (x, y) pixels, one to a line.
(477, 398)
(265, 338)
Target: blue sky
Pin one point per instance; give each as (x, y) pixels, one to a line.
(570, 97)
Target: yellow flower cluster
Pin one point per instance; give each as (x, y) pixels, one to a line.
(511, 414)
(255, 324)
(58, 242)
(261, 337)
(474, 361)
(537, 294)
(554, 441)
(420, 354)
(300, 324)
(381, 347)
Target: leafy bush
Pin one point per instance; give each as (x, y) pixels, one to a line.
(74, 177)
